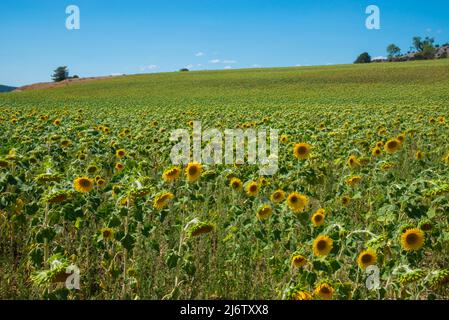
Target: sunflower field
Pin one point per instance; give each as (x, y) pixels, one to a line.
(359, 208)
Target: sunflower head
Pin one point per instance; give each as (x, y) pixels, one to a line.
(107, 233)
(171, 174)
(353, 180)
(401, 137)
(446, 158)
(83, 184)
(120, 153)
(353, 162)
(345, 200)
(412, 239)
(252, 188)
(322, 245)
(119, 166)
(299, 261)
(302, 150)
(193, 171)
(377, 152)
(236, 184)
(264, 212)
(284, 138)
(318, 218)
(297, 202)
(277, 196)
(324, 291)
(162, 200)
(392, 146)
(57, 122)
(366, 258)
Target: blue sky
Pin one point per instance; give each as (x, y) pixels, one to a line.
(137, 36)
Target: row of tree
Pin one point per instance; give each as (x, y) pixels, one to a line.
(421, 49)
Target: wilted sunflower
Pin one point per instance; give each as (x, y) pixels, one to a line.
(264, 212)
(252, 188)
(193, 171)
(171, 174)
(324, 291)
(412, 239)
(297, 202)
(353, 162)
(236, 184)
(299, 261)
(83, 184)
(322, 245)
(318, 218)
(200, 228)
(302, 150)
(278, 196)
(366, 258)
(392, 146)
(162, 200)
(120, 153)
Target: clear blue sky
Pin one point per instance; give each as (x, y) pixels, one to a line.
(137, 36)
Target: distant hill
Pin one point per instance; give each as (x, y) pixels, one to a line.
(6, 88)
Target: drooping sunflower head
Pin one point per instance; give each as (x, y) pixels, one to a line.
(353, 180)
(353, 162)
(297, 202)
(324, 291)
(302, 150)
(252, 188)
(162, 200)
(322, 246)
(120, 153)
(200, 228)
(301, 295)
(83, 184)
(299, 261)
(318, 218)
(278, 196)
(171, 174)
(366, 258)
(236, 184)
(412, 239)
(392, 146)
(193, 171)
(264, 212)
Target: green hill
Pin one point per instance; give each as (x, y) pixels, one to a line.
(409, 84)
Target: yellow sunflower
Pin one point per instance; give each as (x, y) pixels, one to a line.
(302, 295)
(302, 150)
(277, 196)
(299, 261)
(236, 184)
(119, 166)
(401, 137)
(353, 162)
(120, 153)
(252, 188)
(107, 233)
(446, 158)
(264, 212)
(412, 239)
(367, 258)
(171, 174)
(318, 218)
(162, 200)
(193, 171)
(353, 180)
(284, 138)
(324, 291)
(376, 152)
(322, 245)
(297, 202)
(392, 146)
(83, 184)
